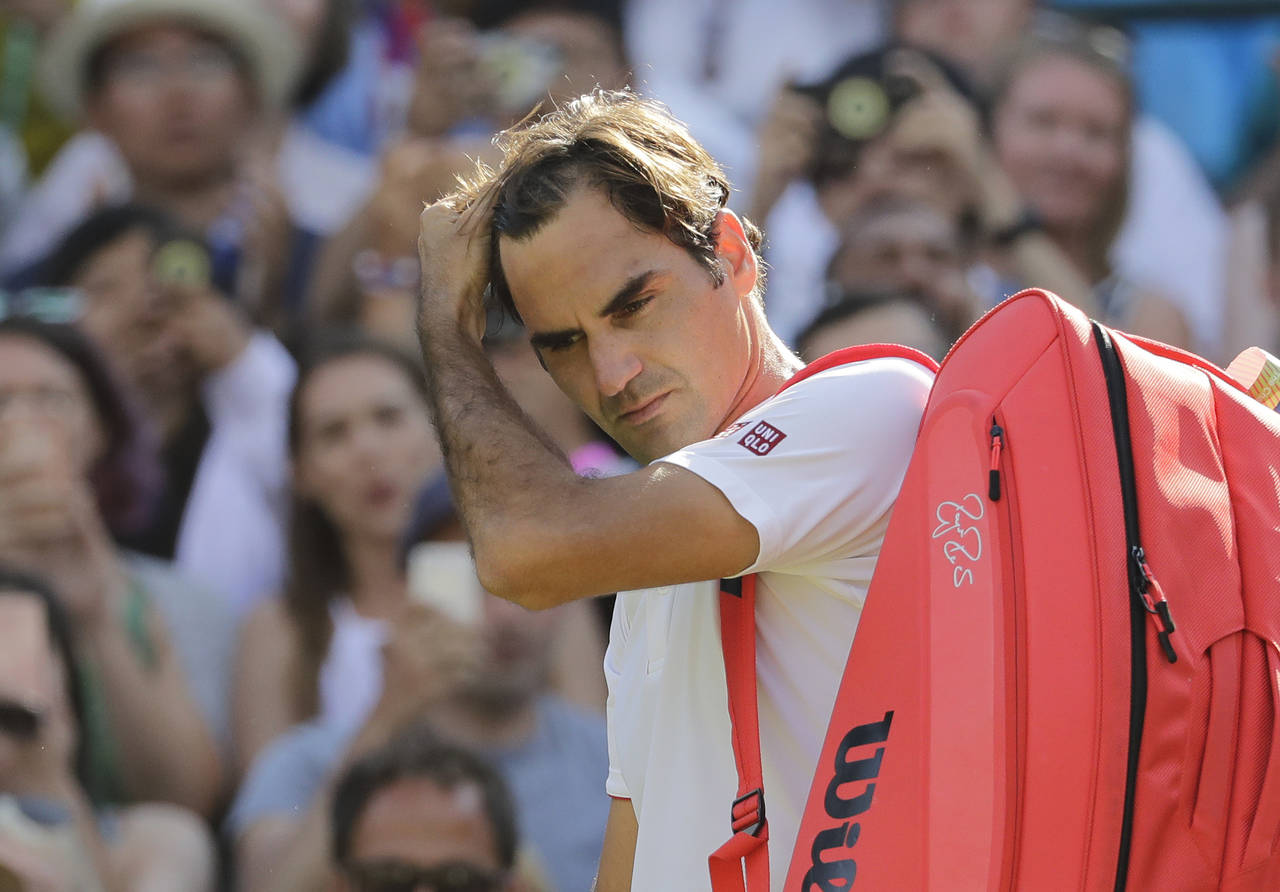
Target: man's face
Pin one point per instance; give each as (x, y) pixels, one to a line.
(631, 327)
(174, 101)
(414, 828)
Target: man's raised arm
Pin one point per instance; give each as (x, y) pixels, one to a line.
(541, 535)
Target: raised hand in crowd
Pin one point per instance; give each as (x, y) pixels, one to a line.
(49, 522)
(267, 242)
(450, 83)
(368, 273)
(205, 324)
(788, 140)
(938, 136)
(426, 659)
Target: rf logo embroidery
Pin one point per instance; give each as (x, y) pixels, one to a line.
(963, 545)
(762, 438)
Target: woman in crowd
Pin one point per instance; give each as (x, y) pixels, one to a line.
(362, 446)
(70, 471)
(1062, 114)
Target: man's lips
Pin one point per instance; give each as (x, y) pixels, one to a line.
(646, 410)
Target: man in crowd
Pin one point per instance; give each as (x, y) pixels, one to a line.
(177, 96)
(419, 813)
(606, 229)
(482, 686)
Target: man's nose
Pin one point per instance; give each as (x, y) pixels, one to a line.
(614, 364)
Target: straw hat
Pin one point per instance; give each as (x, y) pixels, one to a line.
(268, 46)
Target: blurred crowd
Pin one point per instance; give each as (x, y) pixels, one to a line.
(241, 643)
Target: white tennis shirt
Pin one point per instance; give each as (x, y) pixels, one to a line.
(816, 470)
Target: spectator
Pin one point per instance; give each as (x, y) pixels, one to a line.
(467, 83)
(362, 445)
(1061, 117)
(68, 468)
(49, 833)
(420, 813)
(893, 122)
(875, 318)
(47, 830)
(214, 389)
(712, 62)
(901, 243)
(1173, 232)
(482, 686)
(177, 94)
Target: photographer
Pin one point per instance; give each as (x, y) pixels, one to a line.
(893, 122)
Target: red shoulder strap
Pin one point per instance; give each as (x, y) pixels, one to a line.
(747, 849)
(747, 852)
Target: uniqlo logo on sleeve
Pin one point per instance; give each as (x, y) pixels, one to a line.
(762, 438)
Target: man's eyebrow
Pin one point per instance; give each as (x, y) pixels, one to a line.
(630, 290)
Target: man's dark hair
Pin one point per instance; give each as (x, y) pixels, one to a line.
(418, 753)
(631, 148)
(126, 478)
(19, 582)
(101, 229)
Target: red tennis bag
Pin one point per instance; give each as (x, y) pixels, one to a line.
(1067, 675)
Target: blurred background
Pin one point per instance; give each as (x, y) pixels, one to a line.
(241, 640)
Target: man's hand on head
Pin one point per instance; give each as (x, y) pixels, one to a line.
(453, 249)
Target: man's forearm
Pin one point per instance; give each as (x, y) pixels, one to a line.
(506, 474)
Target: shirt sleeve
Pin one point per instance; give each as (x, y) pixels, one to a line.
(615, 786)
(285, 777)
(817, 468)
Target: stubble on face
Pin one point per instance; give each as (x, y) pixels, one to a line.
(658, 371)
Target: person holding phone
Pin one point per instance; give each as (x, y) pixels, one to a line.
(213, 387)
(350, 653)
(72, 468)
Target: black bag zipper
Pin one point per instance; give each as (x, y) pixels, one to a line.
(1141, 584)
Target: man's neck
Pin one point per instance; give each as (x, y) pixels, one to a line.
(771, 365)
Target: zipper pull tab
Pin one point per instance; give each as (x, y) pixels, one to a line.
(1156, 604)
(993, 476)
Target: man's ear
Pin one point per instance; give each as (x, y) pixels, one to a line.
(734, 251)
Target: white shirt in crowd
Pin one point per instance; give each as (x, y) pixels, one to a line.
(820, 501)
(232, 532)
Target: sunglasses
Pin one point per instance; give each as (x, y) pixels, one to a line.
(402, 876)
(58, 306)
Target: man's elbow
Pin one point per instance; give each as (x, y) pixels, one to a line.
(528, 580)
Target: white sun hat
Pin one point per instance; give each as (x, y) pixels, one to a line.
(269, 48)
